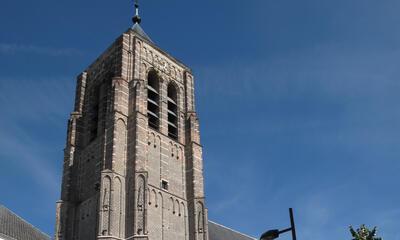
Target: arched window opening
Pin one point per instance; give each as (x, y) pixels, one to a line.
(172, 112)
(153, 97)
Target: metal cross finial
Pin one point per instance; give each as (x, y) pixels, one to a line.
(136, 18)
(137, 6)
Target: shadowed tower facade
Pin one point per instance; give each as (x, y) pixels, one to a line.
(133, 159)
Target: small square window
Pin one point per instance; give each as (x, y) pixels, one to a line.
(164, 185)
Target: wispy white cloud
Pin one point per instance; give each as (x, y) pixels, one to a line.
(316, 211)
(326, 88)
(39, 99)
(31, 110)
(388, 223)
(332, 113)
(30, 156)
(13, 49)
(329, 70)
(321, 213)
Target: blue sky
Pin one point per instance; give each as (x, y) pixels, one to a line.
(298, 102)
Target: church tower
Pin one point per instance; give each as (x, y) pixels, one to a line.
(133, 165)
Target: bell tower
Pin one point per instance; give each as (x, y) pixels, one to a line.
(133, 166)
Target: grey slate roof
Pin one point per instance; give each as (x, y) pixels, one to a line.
(219, 232)
(139, 30)
(12, 227)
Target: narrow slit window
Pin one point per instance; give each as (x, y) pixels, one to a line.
(94, 113)
(164, 185)
(172, 111)
(153, 97)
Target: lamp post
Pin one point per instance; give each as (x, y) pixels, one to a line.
(273, 234)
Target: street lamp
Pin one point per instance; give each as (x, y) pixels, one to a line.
(273, 234)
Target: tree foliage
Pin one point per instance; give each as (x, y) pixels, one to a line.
(363, 233)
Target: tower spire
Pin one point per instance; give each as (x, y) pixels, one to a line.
(136, 19)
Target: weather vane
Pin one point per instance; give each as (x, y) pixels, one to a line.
(136, 19)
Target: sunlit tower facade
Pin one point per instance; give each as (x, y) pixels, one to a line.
(133, 166)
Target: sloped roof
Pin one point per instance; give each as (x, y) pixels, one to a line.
(219, 232)
(139, 30)
(12, 227)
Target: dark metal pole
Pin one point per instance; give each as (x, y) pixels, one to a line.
(285, 230)
(292, 224)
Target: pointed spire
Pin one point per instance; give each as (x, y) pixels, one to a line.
(136, 23)
(136, 19)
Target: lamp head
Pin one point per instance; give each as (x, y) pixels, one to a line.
(270, 235)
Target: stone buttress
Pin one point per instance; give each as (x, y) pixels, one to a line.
(133, 166)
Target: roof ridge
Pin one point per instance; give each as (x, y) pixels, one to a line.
(158, 48)
(25, 221)
(231, 229)
(139, 30)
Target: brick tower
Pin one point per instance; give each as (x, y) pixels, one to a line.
(133, 159)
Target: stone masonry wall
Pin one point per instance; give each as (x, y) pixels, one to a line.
(115, 164)
(79, 206)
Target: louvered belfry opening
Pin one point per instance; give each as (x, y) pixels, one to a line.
(172, 111)
(153, 97)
